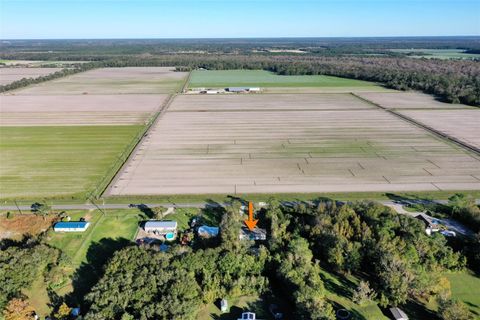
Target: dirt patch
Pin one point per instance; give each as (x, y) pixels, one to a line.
(9, 75)
(131, 80)
(280, 143)
(23, 224)
(408, 100)
(124, 109)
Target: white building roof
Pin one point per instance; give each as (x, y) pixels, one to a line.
(154, 224)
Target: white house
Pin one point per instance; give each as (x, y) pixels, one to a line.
(160, 227)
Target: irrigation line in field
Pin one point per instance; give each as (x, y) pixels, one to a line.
(124, 156)
(109, 179)
(431, 130)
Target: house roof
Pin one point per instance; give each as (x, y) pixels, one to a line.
(238, 88)
(256, 234)
(71, 225)
(161, 224)
(398, 314)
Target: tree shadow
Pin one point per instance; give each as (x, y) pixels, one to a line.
(146, 210)
(89, 272)
(258, 307)
(344, 288)
(354, 313)
(212, 212)
(416, 310)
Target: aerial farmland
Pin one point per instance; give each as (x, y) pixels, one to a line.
(62, 138)
(9, 75)
(274, 83)
(290, 143)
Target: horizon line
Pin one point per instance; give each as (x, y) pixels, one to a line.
(246, 37)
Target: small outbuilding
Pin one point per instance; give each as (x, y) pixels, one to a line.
(248, 316)
(71, 226)
(398, 314)
(242, 89)
(224, 305)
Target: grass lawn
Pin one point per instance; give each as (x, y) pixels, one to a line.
(64, 161)
(345, 196)
(114, 224)
(340, 291)
(465, 287)
(260, 78)
(438, 53)
(236, 307)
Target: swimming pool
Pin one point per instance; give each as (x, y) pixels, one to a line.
(170, 236)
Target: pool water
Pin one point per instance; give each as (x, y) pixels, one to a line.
(170, 236)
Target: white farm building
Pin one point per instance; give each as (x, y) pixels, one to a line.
(160, 227)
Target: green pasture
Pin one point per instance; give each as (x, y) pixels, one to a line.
(339, 291)
(438, 53)
(465, 287)
(260, 78)
(111, 224)
(63, 161)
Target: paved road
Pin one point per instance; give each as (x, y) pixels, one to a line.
(397, 205)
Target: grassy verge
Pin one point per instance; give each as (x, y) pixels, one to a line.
(196, 198)
(348, 196)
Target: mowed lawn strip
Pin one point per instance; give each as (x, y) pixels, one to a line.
(114, 224)
(465, 287)
(63, 161)
(261, 78)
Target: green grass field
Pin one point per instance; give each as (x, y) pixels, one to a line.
(236, 307)
(340, 291)
(64, 161)
(438, 53)
(465, 287)
(114, 224)
(260, 78)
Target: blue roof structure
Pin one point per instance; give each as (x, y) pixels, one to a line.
(71, 225)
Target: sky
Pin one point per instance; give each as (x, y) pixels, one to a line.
(81, 19)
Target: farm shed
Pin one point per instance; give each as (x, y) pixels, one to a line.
(398, 314)
(160, 227)
(72, 226)
(256, 234)
(241, 89)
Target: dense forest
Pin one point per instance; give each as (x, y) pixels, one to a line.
(365, 59)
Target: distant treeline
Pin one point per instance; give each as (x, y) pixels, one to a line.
(100, 48)
(455, 81)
